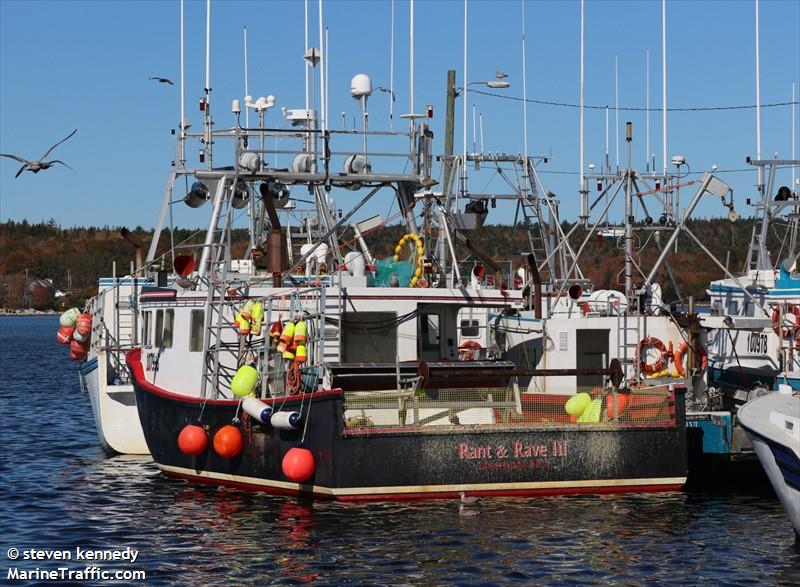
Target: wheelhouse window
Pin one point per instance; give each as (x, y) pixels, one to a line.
(369, 337)
(146, 342)
(162, 332)
(197, 322)
(470, 328)
(169, 326)
(158, 334)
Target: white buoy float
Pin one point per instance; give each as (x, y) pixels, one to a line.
(257, 409)
(285, 420)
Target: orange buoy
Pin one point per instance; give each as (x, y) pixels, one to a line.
(298, 464)
(228, 441)
(193, 440)
(78, 350)
(64, 334)
(83, 325)
(621, 401)
(301, 355)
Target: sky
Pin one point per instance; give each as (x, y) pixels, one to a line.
(82, 65)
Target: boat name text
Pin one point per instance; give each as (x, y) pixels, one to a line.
(516, 449)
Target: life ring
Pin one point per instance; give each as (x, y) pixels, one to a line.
(678, 358)
(418, 249)
(786, 330)
(467, 350)
(658, 365)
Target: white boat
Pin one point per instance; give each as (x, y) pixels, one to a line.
(103, 375)
(753, 329)
(772, 422)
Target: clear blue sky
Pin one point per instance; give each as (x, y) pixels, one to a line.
(76, 64)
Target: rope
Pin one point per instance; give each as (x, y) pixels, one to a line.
(293, 379)
(632, 109)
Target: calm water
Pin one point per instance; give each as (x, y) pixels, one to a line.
(59, 491)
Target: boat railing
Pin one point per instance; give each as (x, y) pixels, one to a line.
(504, 406)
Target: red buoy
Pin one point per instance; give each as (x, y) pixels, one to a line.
(78, 350)
(298, 464)
(64, 334)
(228, 441)
(193, 440)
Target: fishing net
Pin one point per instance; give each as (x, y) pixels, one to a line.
(391, 273)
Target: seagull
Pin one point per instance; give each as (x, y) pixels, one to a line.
(37, 166)
(500, 74)
(468, 500)
(162, 80)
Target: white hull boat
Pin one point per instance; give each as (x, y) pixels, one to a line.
(773, 424)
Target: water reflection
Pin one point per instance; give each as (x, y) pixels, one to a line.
(59, 491)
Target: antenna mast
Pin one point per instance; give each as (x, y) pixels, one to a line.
(664, 82)
(466, 89)
(207, 105)
(758, 108)
(246, 89)
(582, 180)
(647, 111)
(182, 150)
(323, 60)
(525, 178)
(616, 103)
(391, 73)
(305, 50)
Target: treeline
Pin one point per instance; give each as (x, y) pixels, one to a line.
(75, 258)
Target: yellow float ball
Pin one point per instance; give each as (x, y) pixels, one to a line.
(576, 405)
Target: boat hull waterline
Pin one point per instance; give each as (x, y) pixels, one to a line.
(381, 464)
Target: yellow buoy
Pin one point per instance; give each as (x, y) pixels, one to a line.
(244, 381)
(577, 404)
(592, 412)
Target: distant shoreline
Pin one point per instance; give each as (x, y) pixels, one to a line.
(27, 312)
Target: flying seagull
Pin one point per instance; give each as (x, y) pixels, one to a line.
(37, 166)
(162, 80)
(500, 74)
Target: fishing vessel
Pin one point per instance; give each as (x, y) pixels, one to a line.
(309, 365)
(753, 326)
(773, 424)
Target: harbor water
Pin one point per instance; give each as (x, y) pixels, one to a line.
(61, 493)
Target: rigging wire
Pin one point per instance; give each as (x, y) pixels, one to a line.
(634, 109)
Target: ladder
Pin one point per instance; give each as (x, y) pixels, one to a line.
(629, 330)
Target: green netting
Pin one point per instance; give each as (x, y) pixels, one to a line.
(391, 273)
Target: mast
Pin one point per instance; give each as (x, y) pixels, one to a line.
(207, 104)
(305, 50)
(182, 150)
(582, 180)
(525, 178)
(391, 73)
(758, 108)
(464, 121)
(246, 89)
(647, 111)
(664, 83)
(629, 217)
(616, 104)
(322, 61)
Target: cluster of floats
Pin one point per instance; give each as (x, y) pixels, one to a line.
(309, 366)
